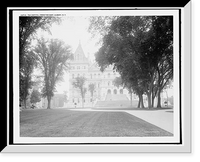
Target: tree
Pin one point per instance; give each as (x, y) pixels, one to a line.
(27, 27)
(35, 96)
(52, 57)
(120, 47)
(79, 84)
(136, 46)
(25, 77)
(157, 56)
(91, 88)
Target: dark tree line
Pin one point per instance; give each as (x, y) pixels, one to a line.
(141, 50)
(50, 56)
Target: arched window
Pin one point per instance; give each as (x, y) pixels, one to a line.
(109, 91)
(115, 91)
(121, 91)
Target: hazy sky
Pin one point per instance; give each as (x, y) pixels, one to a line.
(71, 31)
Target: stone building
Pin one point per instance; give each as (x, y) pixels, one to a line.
(104, 88)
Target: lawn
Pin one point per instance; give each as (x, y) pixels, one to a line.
(68, 123)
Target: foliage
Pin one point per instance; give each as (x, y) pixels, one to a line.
(91, 88)
(35, 96)
(25, 77)
(117, 82)
(52, 58)
(79, 83)
(27, 27)
(141, 50)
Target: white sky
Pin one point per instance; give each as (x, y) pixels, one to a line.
(71, 31)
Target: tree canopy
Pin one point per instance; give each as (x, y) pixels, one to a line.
(52, 57)
(28, 25)
(141, 50)
(79, 83)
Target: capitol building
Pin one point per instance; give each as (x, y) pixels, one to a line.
(104, 93)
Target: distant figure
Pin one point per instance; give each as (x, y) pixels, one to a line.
(75, 105)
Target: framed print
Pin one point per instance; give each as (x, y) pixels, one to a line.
(104, 79)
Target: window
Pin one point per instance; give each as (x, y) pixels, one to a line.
(108, 83)
(78, 67)
(99, 75)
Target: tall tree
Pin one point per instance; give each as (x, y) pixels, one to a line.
(135, 46)
(79, 83)
(35, 96)
(157, 56)
(121, 48)
(52, 57)
(27, 27)
(91, 88)
(25, 77)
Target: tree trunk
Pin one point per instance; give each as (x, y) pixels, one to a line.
(149, 100)
(153, 101)
(159, 99)
(141, 102)
(49, 102)
(131, 99)
(25, 103)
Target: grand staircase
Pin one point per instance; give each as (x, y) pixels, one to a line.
(116, 101)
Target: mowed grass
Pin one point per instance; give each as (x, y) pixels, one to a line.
(68, 123)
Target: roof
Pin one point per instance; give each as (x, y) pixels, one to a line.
(79, 55)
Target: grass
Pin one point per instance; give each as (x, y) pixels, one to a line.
(67, 123)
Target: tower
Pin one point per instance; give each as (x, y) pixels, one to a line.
(103, 81)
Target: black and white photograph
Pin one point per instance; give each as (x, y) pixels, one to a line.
(97, 77)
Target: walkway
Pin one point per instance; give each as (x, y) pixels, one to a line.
(161, 118)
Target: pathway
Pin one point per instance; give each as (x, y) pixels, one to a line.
(161, 118)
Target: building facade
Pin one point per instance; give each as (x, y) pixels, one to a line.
(103, 81)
